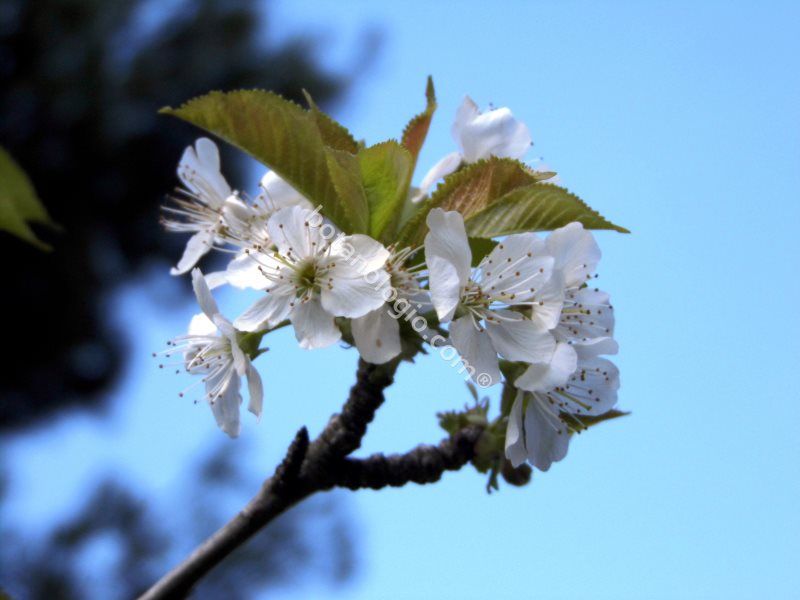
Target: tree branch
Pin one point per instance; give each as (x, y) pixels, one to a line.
(423, 464)
(320, 465)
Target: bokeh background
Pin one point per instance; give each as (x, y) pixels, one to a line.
(678, 120)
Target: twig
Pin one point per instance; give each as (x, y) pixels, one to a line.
(321, 465)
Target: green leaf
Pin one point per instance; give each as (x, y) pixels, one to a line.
(469, 190)
(333, 133)
(288, 140)
(587, 421)
(416, 131)
(535, 207)
(19, 204)
(480, 247)
(385, 174)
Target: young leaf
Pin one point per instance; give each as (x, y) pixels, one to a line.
(288, 140)
(19, 204)
(480, 247)
(385, 175)
(536, 207)
(469, 190)
(585, 421)
(416, 131)
(333, 133)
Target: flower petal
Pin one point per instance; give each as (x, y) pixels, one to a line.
(197, 246)
(256, 390)
(243, 271)
(516, 452)
(516, 268)
(296, 231)
(201, 325)
(225, 406)
(199, 170)
(575, 251)
(279, 194)
(204, 298)
(357, 255)
(448, 257)
(377, 336)
(494, 133)
(467, 112)
(546, 436)
(354, 297)
(477, 351)
(265, 312)
(547, 302)
(446, 165)
(313, 326)
(592, 388)
(216, 279)
(519, 339)
(545, 376)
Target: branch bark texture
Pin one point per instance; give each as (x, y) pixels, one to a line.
(310, 467)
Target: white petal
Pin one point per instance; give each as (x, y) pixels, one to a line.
(243, 271)
(576, 253)
(265, 312)
(547, 302)
(201, 325)
(516, 268)
(448, 257)
(199, 170)
(547, 375)
(377, 336)
(216, 279)
(236, 214)
(346, 297)
(296, 232)
(546, 437)
(240, 361)
(515, 434)
(226, 406)
(519, 339)
(256, 389)
(467, 112)
(280, 194)
(494, 133)
(594, 387)
(356, 255)
(446, 165)
(204, 298)
(197, 246)
(477, 351)
(313, 326)
(595, 346)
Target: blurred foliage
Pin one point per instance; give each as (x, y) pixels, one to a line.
(116, 545)
(81, 83)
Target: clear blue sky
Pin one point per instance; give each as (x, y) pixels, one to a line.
(680, 121)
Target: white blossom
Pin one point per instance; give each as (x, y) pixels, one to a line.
(487, 307)
(211, 350)
(479, 135)
(310, 278)
(552, 396)
(246, 228)
(575, 380)
(377, 334)
(199, 206)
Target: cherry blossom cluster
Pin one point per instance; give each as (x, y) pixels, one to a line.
(526, 316)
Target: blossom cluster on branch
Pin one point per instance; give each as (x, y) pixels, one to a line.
(343, 247)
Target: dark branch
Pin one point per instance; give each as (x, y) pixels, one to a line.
(321, 465)
(423, 464)
(344, 432)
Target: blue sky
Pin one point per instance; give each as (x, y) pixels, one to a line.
(677, 120)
